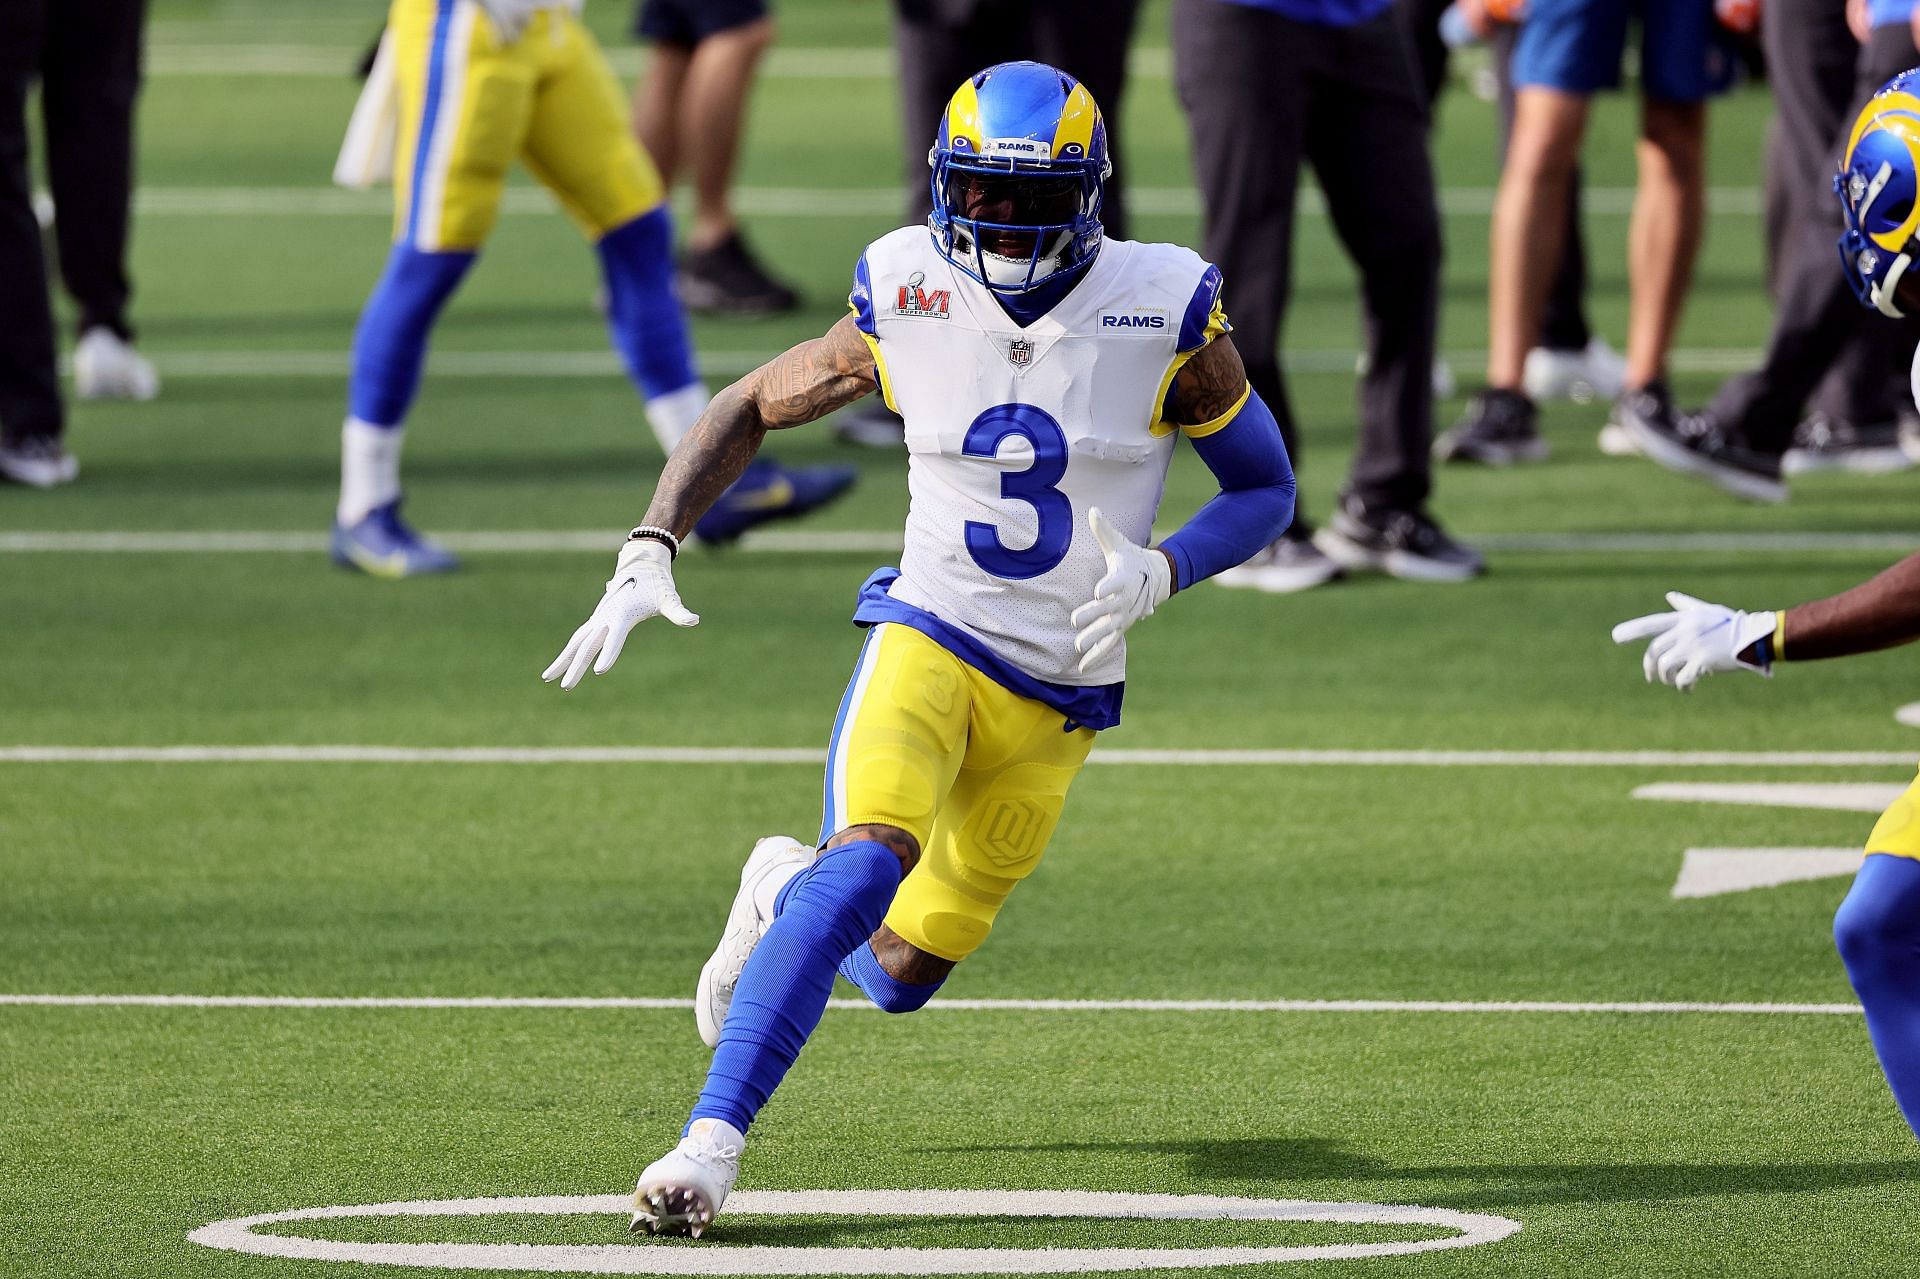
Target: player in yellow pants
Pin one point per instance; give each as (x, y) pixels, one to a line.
(475, 86)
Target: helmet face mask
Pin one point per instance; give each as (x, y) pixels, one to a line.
(1019, 168)
(1879, 190)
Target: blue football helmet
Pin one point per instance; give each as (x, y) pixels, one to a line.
(1019, 168)
(1878, 181)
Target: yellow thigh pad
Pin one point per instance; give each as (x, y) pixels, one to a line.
(1898, 830)
(469, 105)
(976, 773)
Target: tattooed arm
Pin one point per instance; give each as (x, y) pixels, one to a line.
(801, 386)
(1236, 436)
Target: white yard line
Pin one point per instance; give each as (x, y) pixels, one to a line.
(1275, 758)
(807, 202)
(1633, 1007)
(872, 542)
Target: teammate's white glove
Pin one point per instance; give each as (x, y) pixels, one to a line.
(510, 17)
(641, 587)
(1698, 639)
(1138, 580)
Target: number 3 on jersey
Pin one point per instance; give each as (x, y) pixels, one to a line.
(1034, 486)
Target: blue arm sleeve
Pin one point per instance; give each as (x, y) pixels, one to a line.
(1255, 502)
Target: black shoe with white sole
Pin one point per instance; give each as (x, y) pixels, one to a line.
(1826, 443)
(1291, 563)
(728, 279)
(1403, 544)
(1696, 444)
(1499, 428)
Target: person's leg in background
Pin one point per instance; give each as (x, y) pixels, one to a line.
(1740, 439)
(1569, 360)
(464, 103)
(1566, 51)
(688, 113)
(578, 144)
(32, 418)
(90, 83)
(1367, 115)
(938, 44)
(1089, 40)
(1243, 77)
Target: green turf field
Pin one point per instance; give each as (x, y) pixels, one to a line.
(1706, 1142)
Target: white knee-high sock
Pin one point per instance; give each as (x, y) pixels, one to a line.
(369, 468)
(673, 415)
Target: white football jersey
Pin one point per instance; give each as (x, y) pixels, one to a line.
(1014, 434)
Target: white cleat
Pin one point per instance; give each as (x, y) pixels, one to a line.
(105, 367)
(680, 1192)
(774, 860)
(39, 463)
(1596, 373)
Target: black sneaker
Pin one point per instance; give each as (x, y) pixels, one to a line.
(1403, 544)
(728, 280)
(1500, 428)
(1291, 563)
(1696, 444)
(1824, 443)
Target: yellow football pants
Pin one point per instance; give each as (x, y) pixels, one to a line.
(976, 773)
(1898, 830)
(470, 105)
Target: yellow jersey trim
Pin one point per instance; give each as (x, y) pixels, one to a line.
(1204, 429)
(880, 367)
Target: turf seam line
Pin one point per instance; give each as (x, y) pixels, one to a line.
(642, 1003)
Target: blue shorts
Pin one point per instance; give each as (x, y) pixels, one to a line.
(1576, 46)
(688, 22)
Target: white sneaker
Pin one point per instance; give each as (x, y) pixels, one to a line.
(680, 1192)
(107, 368)
(1617, 441)
(774, 861)
(38, 463)
(1597, 373)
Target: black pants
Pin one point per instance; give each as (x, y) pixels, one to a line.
(1264, 93)
(86, 53)
(1811, 65)
(1817, 316)
(1563, 326)
(942, 42)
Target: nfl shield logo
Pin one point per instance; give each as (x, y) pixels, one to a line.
(1020, 352)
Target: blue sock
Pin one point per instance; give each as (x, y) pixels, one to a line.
(888, 992)
(1878, 931)
(643, 311)
(390, 346)
(826, 911)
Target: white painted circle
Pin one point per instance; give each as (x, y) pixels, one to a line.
(237, 1235)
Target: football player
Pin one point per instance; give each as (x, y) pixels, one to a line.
(1878, 925)
(1044, 375)
(473, 85)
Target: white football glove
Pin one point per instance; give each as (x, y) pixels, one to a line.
(1138, 580)
(1697, 639)
(641, 587)
(510, 17)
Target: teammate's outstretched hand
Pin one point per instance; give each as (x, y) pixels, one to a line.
(641, 587)
(1698, 639)
(1138, 580)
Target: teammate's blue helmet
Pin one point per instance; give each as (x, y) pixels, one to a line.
(1878, 181)
(1019, 167)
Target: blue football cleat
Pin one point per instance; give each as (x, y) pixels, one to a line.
(769, 491)
(385, 545)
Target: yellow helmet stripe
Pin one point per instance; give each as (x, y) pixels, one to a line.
(963, 115)
(1077, 120)
(1871, 113)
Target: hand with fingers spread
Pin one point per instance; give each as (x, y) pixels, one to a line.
(1699, 639)
(641, 587)
(1138, 580)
